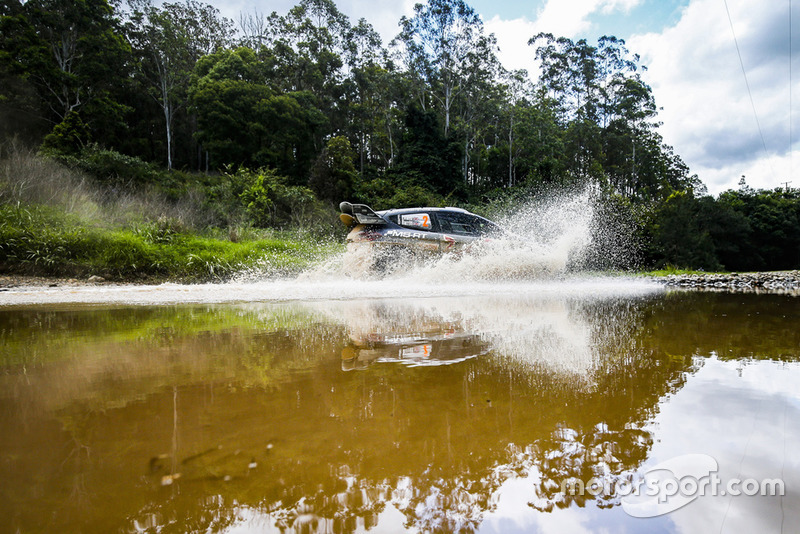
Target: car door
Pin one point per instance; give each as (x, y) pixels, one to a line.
(418, 231)
(457, 229)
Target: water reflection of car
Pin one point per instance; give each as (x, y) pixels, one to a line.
(395, 236)
(413, 349)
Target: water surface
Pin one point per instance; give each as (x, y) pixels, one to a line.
(347, 408)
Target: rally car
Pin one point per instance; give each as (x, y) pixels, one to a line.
(390, 238)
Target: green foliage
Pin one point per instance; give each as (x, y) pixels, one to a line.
(334, 176)
(742, 230)
(414, 196)
(242, 121)
(43, 241)
(681, 237)
(334, 115)
(773, 217)
(111, 167)
(71, 51)
(68, 137)
(268, 201)
(426, 157)
(40, 240)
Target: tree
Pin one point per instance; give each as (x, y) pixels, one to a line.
(226, 88)
(242, 121)
(70, 51)
(773, 218)
(318, 31)
(516, 87)
(608, 114)
(172, 39)
(334, 176)
(69, 136)
(443, 43)
(426, 158)
(363, 53)
(680, 236)
(22, 112)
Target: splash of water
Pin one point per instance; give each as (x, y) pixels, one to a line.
(545, 238)
(550, 243)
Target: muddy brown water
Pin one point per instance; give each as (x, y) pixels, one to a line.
(390, 414)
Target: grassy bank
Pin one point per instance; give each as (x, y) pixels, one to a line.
(671, 270)
(60, 221)
(45, 241)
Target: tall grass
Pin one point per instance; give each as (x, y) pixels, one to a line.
(38, 240)
(28, 178)
(55, 221)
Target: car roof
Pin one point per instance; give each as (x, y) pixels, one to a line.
(400, 211)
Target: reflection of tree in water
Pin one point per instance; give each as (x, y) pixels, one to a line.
(570, 459)
(452, 483)
(335, 450)
(595, 432)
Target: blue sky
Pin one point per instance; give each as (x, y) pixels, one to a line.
(647, 16)
(692, 61)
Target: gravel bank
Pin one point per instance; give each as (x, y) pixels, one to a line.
(10, 281)
(735, 281)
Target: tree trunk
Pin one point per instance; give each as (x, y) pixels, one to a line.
(511, 151)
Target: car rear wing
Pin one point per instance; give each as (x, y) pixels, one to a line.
(360, 213)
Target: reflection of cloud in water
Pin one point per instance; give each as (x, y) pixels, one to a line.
(563, 394)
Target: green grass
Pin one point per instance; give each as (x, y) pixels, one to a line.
(672, 270)
(39, 240)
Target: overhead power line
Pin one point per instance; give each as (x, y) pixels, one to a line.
(747, 83)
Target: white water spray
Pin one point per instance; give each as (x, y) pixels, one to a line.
(548, 243)
(546, 238)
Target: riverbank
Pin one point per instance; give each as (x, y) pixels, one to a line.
(10, 281)
(45, 246)
(770, 280)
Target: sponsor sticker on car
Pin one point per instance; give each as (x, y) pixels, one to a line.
(416, 220)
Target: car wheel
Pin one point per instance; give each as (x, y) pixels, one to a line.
(393, 259)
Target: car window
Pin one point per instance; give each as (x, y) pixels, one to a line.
(458, 223)
(488, 228)
(465, 224)
(417, 221)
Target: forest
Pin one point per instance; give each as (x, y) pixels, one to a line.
(271, 120)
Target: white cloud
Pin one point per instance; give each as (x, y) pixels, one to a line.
(707, 113)
(384, 16)
(569, 19)
(512, 38)
(562, 19)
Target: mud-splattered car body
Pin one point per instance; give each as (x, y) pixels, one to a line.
(391, 237)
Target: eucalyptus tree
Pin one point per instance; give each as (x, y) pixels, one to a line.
(171, 39)
(70, 51)
(540, 154)
(370, 94)
(442, 43)
(570, 75)
(317, 31)
(609, 116)
(479, 104)
(516, 89)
